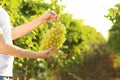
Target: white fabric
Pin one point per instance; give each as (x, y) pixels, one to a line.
(6, 62)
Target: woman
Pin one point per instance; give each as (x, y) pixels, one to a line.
(8, 33)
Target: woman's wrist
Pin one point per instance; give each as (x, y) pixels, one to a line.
(43, 19)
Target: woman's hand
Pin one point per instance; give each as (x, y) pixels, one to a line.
(47, 53)
(50, 16)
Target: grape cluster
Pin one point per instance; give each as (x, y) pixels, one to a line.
(55, 37)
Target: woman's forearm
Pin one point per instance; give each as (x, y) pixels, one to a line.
(18, 52)
(10, 49)
(21, 30)
(24, 29)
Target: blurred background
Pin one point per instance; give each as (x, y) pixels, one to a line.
(92, 47)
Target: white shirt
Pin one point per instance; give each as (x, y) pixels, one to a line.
(6, 62)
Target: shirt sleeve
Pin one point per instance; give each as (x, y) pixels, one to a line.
(3, 16)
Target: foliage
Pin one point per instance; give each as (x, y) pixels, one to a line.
(114, 39)
(79, 45)
(80, 41)
(99, 66)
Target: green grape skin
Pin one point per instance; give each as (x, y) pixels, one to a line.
(55, 37)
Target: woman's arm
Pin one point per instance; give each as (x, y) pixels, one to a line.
(24, 29)
(12, 50)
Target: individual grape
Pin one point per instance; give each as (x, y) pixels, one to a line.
(55, 37)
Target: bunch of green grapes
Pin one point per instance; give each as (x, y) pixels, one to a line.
(55, 37)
